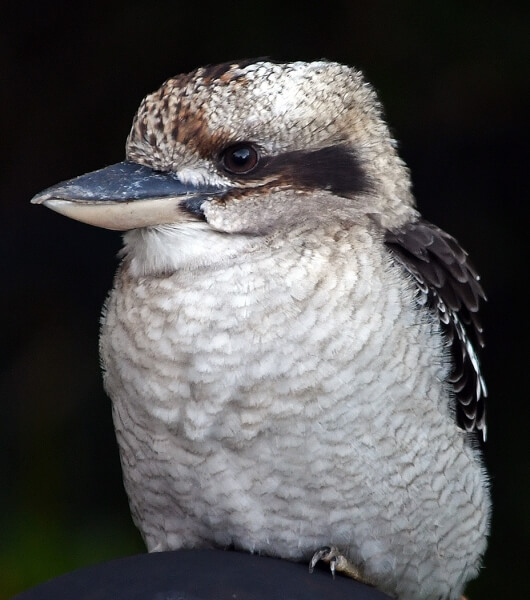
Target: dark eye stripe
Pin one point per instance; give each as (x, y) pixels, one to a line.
(333, 168)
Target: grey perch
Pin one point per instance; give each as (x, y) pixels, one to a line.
(199, 575)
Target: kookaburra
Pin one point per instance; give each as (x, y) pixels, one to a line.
(288, 344)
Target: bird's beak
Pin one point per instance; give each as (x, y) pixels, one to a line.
(125, 196)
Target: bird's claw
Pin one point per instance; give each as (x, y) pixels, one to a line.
(337, 563)
(327, 555)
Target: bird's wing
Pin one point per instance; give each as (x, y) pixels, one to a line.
(449, 285)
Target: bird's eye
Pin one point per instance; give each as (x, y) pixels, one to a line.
(240, 158)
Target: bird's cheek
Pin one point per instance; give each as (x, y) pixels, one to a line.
(262, 211)
(234, 216)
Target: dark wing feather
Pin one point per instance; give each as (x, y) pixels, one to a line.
(449, 285)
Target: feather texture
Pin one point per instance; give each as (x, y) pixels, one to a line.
(449, 285)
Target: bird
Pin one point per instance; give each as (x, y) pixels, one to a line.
(290, 348)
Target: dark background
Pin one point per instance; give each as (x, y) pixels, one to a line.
(453, 77)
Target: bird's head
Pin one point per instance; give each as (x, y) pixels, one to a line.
(251, 148)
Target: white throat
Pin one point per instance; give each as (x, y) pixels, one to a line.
(168, 248)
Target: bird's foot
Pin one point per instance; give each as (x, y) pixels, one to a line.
(338, 563)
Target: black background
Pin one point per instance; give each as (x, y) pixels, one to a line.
(453, 77)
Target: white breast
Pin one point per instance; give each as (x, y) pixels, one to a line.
(291, 398)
